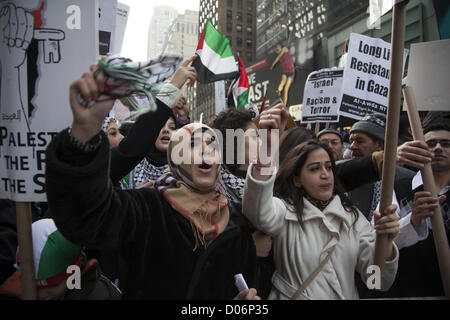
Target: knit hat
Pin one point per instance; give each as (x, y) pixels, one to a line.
(329, 131)
(372, 124)
(52, 254)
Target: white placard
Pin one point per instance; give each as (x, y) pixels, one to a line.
(321, 97)
(429, 75)
(121, 24)
(219, 89)
(107, 13)
(366, 77)
(35, 81)
(378, 8)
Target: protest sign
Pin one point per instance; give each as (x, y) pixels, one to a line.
(378, 8)
(121, 24)
(61, 42)
(366, 77)
(321, 96)
(107, 14)
(428, 74)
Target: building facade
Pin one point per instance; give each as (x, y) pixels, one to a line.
(160, 25)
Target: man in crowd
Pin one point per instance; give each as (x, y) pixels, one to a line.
(334, 140)
(418, 271)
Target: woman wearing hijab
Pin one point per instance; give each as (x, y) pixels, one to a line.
(180, 240)
(110, 126)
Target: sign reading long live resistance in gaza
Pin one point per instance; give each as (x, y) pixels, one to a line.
(366, 77)
(321, 98)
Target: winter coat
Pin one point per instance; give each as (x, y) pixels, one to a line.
(155, 241)
(299, 249)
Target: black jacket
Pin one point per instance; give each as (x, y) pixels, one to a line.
(362, 196)
(156, 241)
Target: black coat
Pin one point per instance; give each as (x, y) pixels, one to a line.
(156, 242)
(362, 196)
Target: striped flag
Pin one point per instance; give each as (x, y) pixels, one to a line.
(216, 61)
(240, 88)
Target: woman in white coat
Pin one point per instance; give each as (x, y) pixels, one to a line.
(310, 218)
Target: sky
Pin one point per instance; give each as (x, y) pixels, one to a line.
(141, 11)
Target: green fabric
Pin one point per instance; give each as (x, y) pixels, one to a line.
(243, 100)
(57, 254)
(217, 41)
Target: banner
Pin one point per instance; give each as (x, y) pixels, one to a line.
(429, 74)
(56, 43)
(366, 77)
(321, 97)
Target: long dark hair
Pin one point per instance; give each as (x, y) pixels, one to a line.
(291, 166)
(292, 138)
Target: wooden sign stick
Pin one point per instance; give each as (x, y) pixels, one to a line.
(392, 122)
(27, 279)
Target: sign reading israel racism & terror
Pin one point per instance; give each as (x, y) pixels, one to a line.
(55, 41)
(321, 98)
(366, 77)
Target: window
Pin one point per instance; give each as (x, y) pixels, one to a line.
(239, 42)
(229, 26)
(249, 56)
(239, 28)
(229, 14)
(249, 43)
(229, 37)
(249, 31)
(239, 16)
(249, 5)
(249, 18)
(239, 4)
(230, 3)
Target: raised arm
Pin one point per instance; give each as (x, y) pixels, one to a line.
(135, 146)
(81, 199)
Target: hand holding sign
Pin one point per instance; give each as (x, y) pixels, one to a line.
(87, 122)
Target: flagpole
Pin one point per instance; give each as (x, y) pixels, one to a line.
(392, 122)
(437, 222)
(27, 279)
(317, 128)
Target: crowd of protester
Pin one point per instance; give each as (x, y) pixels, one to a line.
(165, 208)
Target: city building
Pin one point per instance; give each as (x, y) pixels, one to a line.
(160, 24)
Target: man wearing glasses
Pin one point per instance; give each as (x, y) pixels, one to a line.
(418, 271)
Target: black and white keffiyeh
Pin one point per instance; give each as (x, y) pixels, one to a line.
(233, 185)
(145, 170)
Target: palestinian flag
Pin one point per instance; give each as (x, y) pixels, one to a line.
(216, 61)
(52, 254)
(240, 88)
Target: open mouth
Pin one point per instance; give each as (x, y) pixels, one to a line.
(165, 139)
(205, 168)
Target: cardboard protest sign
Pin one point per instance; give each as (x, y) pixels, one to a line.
(429, 74)
(378, 8)
(121, 24)
(107, 13)
(60, 43)
(321, 98)
(366, 77)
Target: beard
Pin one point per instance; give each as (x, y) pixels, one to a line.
(438, 166)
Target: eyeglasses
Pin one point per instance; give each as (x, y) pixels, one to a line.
(445, 143)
